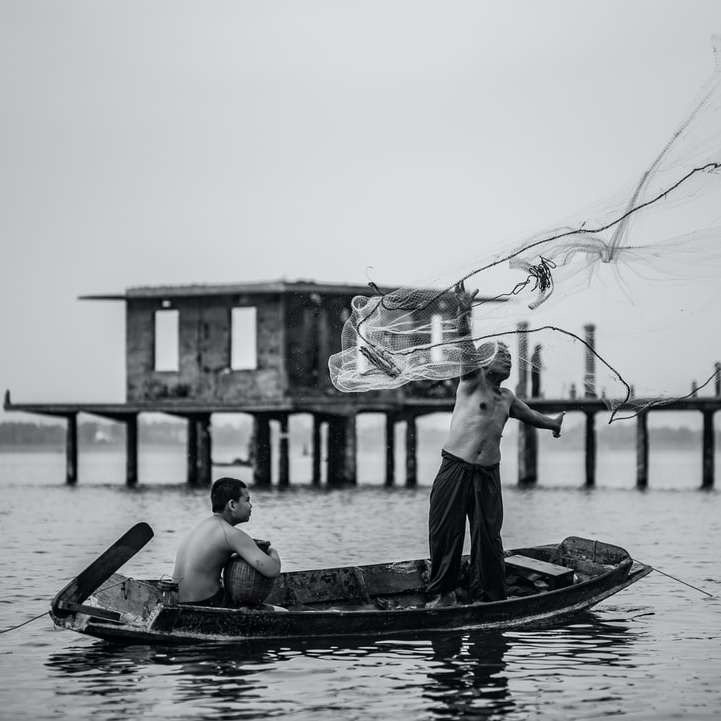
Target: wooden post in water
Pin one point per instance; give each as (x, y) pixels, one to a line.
(717, 368)
(71, 450)
(283, 459)
(642, 450)
(205, 450)
(590, 449)
(527, 435)
(411, 450)
(192, 453)
(390, 449)
(316, 450)
(261, 468)
(131, 450)
(708, 450)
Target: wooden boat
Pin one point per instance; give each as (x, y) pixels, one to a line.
(546, 584)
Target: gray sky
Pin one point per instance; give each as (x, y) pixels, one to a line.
(187, 142)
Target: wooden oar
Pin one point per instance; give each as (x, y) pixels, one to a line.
(72, 596)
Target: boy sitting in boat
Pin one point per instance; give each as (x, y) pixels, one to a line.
(207, 548)
(468, 482)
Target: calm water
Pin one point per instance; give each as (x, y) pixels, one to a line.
(652, 651)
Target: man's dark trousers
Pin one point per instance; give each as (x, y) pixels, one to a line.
(463, 490)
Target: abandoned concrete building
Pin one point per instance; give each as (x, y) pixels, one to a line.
(256, 348)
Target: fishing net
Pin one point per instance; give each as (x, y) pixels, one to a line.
(666, 228)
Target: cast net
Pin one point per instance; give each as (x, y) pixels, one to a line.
(665, 229)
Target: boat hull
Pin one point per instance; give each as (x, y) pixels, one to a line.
(158, 622)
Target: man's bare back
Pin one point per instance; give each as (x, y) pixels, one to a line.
(208, 547)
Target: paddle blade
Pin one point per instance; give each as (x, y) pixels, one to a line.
(102, 568)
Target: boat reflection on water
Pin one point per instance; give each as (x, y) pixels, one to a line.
(444, 675)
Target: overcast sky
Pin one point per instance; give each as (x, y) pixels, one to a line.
(187, 142)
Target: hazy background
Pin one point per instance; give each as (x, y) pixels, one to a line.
(179, 142)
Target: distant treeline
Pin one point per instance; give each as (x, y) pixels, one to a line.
(109, 434)
(18, 434)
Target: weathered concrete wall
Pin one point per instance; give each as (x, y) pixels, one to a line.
(296, 333)
(204, 373)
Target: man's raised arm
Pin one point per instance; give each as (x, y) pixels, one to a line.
(464, 299)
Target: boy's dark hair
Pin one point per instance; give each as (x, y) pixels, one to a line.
(224, 490)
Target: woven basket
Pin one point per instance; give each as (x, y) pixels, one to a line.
(244, 586)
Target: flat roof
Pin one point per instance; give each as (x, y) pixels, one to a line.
(206, 289)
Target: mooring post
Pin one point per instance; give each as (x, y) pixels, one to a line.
(283, 460)
(642, 450)
(205, 450)
(131, 450)
(71, 450)
(261, 467)
(589, 379)
(527, 435)
(192, 452)
(717, 369)
(411, 451)
(707, 479)
(590, 448)
(316, 449)
(390, 449)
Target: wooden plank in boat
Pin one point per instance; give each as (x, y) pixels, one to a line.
(556, 576)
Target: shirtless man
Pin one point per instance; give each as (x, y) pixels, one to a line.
(204, 552)
(468, 482)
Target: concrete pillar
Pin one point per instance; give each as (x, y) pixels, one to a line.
(350, 450)
(590, 449)
(527, 455)
(192, 453)
(205, 450)
(283, 460)
(341, 450)
(261, 467)
(642, 450)
(522, 387)
(316, 450)
(527, 435)
(131, 450)
(390, 449)
(707, 479)
(536, 372)
(335, 443)
(71, 450)
(589, 379)
(411, 453)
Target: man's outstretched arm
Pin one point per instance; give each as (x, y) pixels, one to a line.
(523, 413)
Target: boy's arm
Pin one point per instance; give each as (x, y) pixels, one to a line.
(523, 413)
(266, 563)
